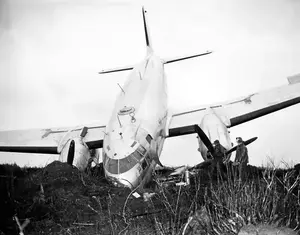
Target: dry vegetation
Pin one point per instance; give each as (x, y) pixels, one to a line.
(58, 199)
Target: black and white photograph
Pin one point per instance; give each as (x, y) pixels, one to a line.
(149, 117)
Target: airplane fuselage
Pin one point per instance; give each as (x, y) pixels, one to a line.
(137, 125)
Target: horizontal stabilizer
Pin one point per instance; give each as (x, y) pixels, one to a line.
(119, 69)
(171, 60)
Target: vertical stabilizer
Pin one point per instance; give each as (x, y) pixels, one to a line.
(150, 50)
(147, 35)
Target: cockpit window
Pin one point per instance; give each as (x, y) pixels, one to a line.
(141, 150)
(112, 165)
(119, 166)
(128, 162)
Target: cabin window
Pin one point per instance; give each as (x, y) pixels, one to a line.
(133, 144)
(149, 138)
(108, 148)
(141, 150)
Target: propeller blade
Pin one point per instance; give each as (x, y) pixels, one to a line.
(153, 153)
(186, 130)
(245, 142)
(204, 139)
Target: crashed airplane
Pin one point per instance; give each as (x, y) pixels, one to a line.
(133, 138)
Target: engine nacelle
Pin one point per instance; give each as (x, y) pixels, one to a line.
(215, 127)
(75, 152)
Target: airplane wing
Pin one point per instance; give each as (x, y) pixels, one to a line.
(47, 140)
(240, 110)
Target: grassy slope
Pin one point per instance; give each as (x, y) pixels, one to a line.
(77, 203)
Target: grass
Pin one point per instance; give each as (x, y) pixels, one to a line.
(58, 199)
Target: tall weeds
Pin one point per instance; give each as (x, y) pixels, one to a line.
(272, 198)
(266, 195)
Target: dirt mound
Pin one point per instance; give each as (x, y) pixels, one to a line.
(60, 199)
(56, 169)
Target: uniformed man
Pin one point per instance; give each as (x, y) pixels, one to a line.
(220, 151)
(241, 157)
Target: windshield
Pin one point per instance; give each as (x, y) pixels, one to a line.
(119, 166)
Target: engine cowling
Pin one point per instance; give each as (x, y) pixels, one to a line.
(215, 127)
(75, 152)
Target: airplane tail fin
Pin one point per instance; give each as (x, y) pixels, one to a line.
(147, 34)
(150, 50)
(148, 45)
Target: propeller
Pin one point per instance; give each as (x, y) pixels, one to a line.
(245, 143)
(186, 130)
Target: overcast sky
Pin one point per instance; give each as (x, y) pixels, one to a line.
(51, 51)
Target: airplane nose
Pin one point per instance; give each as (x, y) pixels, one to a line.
(124, 167)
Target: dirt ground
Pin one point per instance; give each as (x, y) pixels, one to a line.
(59, 199)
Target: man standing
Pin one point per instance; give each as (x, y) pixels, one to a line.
(219, 156)
(241, 157)
(220, 151)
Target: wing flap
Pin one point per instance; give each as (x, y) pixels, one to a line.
(29, 149)
(46, 141)
(263, 111)
(261, 103)
(243, 109)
